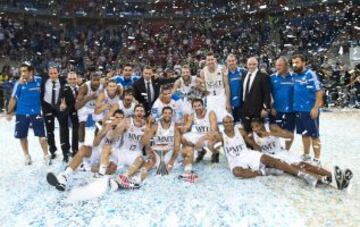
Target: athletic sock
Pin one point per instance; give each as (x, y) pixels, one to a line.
(102, 169)
(68, 171)
(188, 168)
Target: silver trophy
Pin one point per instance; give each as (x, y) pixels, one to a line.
(160, 151)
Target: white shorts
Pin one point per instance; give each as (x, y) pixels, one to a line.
(247, 160)
(193, 137)
(218, 105)
(84, 112)
(95, 157)
(287, 156)
(98, 117)
(127, 157)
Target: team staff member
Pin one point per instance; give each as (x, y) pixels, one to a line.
(69, 94)
(282, 90)
(25, 102)
(307, 100)
(235, 77)
(50, 102)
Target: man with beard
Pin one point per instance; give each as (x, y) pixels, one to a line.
(88, 157)
(307, 99)
(203, 135)
(86, 102)
(129, 152)
(164, 134)
(127, 104)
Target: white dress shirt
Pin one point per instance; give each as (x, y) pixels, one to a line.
(253, 74)
(48, 91)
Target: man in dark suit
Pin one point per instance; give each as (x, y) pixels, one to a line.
(67, 105)
(256, 94)
(50, 102)
(147, 88)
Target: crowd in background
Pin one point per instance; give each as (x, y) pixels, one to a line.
(166, 46)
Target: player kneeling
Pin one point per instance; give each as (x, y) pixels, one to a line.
(268, 138)
(246, 163)
(88, 157)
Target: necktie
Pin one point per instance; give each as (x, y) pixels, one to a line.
(247, 87)
(53, 93)
(148, 91)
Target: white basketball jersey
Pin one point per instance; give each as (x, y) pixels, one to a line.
(132, 137)
(91, 103)
(186, 89)
(201, 125)
(234, 148)
(165, 136)
(158, 106)
(128, 112)
(214, 81)
(110, 100)
(269, 144)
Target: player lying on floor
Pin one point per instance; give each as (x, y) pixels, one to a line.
(268, 138)
(89, 156)
(246, 163)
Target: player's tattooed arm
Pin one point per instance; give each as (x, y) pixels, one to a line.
(249, 140)
(81, 99)
(275, 130)
(100, 106)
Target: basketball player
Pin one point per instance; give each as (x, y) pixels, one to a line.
(127, 104)
(86, 101)
(88, 157)
(216, 82)
(164, 133)
(203, 134)
(107, 101)
(163, 100)
(187, 85)
(268, 138)
(130, 150)
(245, 163)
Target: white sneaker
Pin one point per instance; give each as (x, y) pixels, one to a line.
(306, 157)
(28, 160)
(62, 178)
(316, 162)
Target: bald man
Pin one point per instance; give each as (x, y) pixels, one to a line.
(282, 91)
(256, 94)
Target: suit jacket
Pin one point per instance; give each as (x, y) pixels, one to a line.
(258, 97)
(62, 84)
(140, 93)
(70, 97)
